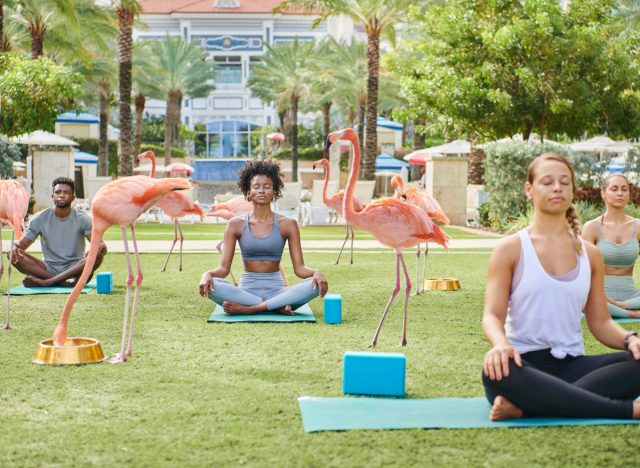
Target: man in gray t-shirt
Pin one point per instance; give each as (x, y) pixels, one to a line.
(62, 230)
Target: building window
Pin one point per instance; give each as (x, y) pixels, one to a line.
(229, 138)
(228, 70)
(253, 61)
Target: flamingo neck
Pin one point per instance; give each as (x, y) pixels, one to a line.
(325, 198)
(153, 166)
(350, 189)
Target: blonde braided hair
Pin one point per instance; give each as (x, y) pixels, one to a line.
(573, 220)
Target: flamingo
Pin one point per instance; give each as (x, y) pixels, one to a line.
(430, 205)
(14, 202)
(393, 221)
(231, 208)
(335, 202)
(121, 202)
(175, 205)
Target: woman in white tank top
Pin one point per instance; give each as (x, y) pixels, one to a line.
(540, 281)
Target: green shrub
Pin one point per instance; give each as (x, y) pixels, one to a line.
(505, 174)
(159, 151)
(483, 215)
(304, 154)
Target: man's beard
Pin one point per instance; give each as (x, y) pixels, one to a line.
(63, 205)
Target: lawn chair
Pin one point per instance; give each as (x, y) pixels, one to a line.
(316, 211)
(364, 191)
(289, 204)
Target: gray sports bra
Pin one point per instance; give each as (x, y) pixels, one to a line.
(619, 255)
(268, 248)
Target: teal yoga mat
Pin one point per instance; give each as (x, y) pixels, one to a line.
(303, 314)
(343, 414)
(25, 291)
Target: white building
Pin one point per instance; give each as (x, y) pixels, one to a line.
(233, 32)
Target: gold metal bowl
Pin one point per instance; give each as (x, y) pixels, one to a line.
(442, 284)
(74, 351)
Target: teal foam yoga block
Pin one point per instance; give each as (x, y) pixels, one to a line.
(333, 308)
(374, 373)
(105, 282)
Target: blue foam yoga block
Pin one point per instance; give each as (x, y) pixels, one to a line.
(333, 308)
(105, 282)
(374, 373)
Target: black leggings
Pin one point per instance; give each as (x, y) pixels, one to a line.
(601, 386)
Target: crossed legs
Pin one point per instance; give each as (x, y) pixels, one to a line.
(37, 274)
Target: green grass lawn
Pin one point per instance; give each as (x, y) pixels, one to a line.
(200, 394)
(157, 231)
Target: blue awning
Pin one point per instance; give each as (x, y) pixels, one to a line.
(81, 117)
(85, 158)
(386, 162)
(382, 122)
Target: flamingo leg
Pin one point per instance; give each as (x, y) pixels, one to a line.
(118, 358)
(346, 236)
(406, 300)
(135, 295)
(175, 239)
(418, 270)
(7, 324)
(181, 241)
(352, 237)
(1, 259)
(394, 293)
(424, 267)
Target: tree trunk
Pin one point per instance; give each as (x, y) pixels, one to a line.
(351, 117)
(4, 41)
(362, 111)
(294, 138)
(140, 102)
(404, 133)
(526, 131)
(37, 44)
(475, 173)
(171, 123)
(103, 142)
(125, 46)
(419, 142)
(371, 143)
(326, 123)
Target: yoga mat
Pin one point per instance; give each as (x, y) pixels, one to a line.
(342, 414)
(620, 319)
(303, 314)
(25, 291)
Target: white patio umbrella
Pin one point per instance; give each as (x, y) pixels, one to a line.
(601, 144)
(40, 137)
(453, 147)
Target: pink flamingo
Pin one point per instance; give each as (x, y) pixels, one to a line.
(335, 202)
(394, 222)
(231, 208)
(121, 202)
(430, 205)
(175, 205)
(14, 202)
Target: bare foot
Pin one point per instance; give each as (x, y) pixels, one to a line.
(620, 304)
(286, 310)
(32, 281)
(504, 409)
(233, 308)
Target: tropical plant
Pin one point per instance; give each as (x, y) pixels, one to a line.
(378, 17)
(8, 154)
(182, 69)
(34, 92)
(40, 17)
(286, 71)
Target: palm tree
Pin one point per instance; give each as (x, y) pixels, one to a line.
(287, 71)
(182, 70)
(40, 17)
(126, 11)
(377, 17)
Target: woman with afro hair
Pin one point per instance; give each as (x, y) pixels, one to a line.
(261, 235)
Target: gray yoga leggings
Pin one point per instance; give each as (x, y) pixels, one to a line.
(258, 287)
(621, 288)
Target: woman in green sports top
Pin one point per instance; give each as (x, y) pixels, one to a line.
(616, 235)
